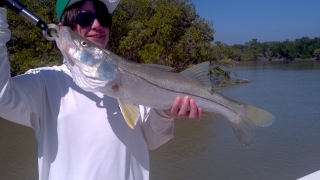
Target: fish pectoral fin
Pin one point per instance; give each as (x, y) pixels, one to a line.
(130, 113)
(159, 67)
(199, 72)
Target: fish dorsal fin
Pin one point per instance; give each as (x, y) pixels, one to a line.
(199, 72)
(159, 67)
(130, 113)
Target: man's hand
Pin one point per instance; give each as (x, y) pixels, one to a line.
(189, 109)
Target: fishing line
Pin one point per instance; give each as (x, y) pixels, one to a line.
(21, 9)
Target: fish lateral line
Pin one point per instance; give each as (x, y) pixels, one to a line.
(211, 92)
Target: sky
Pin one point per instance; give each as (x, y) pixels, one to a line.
(240, 21)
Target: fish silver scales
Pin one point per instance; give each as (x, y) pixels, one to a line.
(158, 89)
(152, 85)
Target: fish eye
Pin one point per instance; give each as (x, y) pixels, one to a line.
(84, 43)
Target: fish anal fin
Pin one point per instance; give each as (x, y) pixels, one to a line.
(199, 72)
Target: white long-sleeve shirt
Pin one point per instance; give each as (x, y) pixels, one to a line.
(81, 135)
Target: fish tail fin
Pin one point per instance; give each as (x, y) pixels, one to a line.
(244, 132)
(258, 117)
(244, 124)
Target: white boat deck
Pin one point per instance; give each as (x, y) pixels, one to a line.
(312, 176)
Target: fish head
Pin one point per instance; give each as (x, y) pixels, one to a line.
(84, 58)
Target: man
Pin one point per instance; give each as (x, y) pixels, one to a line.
(82, 135)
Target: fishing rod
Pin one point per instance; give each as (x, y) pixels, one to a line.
(21, 9)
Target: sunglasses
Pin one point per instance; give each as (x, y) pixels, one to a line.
(85, 19)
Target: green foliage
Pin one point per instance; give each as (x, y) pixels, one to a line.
(167, 32)
(220, 77)
(302, 48)
(27, 47)
(316, 53)
(223, 54)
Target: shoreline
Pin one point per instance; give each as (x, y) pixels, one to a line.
(285, 59)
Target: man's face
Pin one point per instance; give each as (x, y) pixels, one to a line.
(96, 33)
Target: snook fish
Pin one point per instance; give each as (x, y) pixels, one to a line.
(98, 70)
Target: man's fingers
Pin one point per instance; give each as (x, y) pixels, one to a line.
(193, 109)
(175, 107)
(184, 107)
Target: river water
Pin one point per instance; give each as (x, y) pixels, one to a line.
(289, 149)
